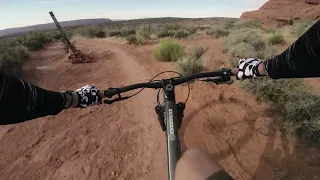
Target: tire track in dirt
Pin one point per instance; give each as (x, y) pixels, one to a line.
(153, 145)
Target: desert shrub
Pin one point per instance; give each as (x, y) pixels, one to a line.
(77, 32)
(99, 33)
(247, 24)
(246, 44)
(189, 65)
(218, 32)
(204, 28)
(193, 62)
(190, 29)
(267, 52)
(242, 50)
(135, 39)
(132, 39)
(172, 27)
(168, 50)
(157, 28)
(300, 27)
(198, 52)
(140, 40)
(125, 32)
(165, 33)
(93, 32)
(53, 35)
(12, 60)
(35, 40)
(276, 38)
(229, 24)
(144, 32)
(181, 34)
(7, 43)
(299, 106)
(114, 32)
(243, 35)
(90, 32)
(270, 30)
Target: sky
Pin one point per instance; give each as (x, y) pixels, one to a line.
(17, 13)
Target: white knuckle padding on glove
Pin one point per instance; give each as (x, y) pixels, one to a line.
(88, 96)
(248, 68)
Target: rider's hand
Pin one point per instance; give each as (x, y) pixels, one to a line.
(87, 96)
(83, 97)
(249, 68)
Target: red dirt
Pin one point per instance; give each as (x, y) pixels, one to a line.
(293, 9)
(124, 140)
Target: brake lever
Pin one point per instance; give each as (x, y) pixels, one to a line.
(231, 81)
(115, 100)
(110, 92)
(219, 80)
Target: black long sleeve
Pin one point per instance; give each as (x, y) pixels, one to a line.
(300, 60)
(21, 101)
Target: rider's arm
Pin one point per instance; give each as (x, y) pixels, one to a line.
(21, 101)
(301, 59)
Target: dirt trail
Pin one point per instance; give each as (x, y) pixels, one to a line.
(124, 141)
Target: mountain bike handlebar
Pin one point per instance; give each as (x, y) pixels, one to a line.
(170, 114)
(222, 76)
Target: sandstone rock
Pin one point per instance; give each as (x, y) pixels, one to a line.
(284, 9)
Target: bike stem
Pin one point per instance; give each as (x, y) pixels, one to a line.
(172, 127)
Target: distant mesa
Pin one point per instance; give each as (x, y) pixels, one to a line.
(50, 26)
(279, 10)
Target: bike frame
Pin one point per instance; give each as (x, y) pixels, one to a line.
(172, 127)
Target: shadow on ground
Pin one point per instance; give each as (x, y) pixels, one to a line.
(283, 157)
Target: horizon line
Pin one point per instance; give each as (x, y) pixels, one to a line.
(121, 20)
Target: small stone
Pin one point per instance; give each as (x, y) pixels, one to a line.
(113, 173)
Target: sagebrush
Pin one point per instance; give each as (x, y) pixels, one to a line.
(12, 60)
(181, 34)
(218, 32)
(135, 39)
(276, 38)
(168, 50)
(244, 35)
(300, 27)
(299, 106)
(35, 40)
(193, 62)
(165, 33)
